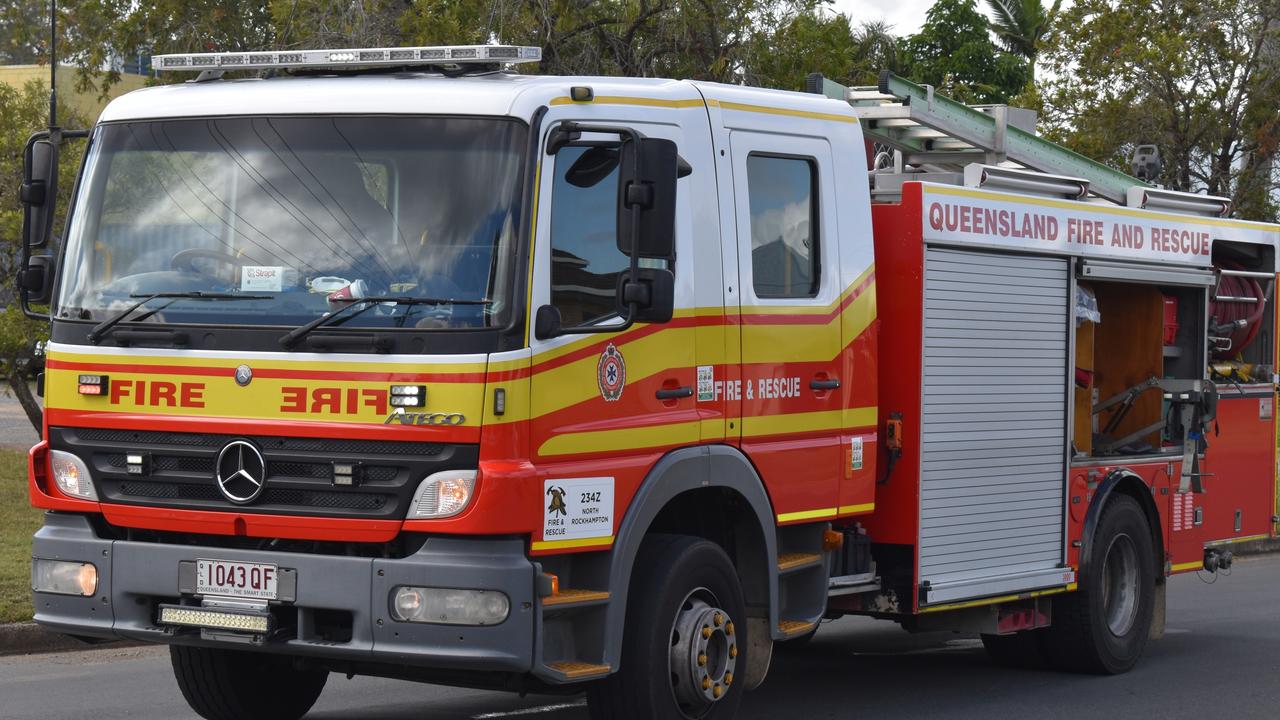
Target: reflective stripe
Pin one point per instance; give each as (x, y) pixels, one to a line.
(538, 545)
(807, 515)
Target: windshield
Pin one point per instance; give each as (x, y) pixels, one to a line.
(303, 214)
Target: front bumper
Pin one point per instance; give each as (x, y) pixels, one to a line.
(136, 577)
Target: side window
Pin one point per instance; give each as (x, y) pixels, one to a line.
(585, 260)
(783, 191)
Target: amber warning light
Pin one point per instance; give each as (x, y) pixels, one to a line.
(93, 384)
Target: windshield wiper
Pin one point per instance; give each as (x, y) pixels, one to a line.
(292, 337)
(100, 330)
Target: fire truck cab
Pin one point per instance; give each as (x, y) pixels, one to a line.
(404, 364)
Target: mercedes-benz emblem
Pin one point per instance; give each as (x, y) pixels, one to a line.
(241, 472)
(244, 374)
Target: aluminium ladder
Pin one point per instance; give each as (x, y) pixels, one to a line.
(931, 130)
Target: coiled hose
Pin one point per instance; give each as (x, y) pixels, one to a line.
(1225, 317)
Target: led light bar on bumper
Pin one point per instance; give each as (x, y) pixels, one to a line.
(442, 495)
(63, 577)
(351, 57)
(449, 606)
(216, 619)
(71, 475)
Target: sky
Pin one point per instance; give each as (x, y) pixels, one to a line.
(905, 16)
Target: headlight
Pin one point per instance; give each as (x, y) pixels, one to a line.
(443, 494)
(63, 577)
(449, 606)
(71, 475)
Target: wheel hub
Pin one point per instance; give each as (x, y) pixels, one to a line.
(1120, 578)
(704, 652)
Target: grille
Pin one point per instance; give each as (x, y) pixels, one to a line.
(208, 440)
(299, 498)
(182, 466)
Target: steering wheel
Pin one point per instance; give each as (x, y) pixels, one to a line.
(183, 260)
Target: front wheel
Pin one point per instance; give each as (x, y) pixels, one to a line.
(1103, 627)
(685, 639)
(237, 685)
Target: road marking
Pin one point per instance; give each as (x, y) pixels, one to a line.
(530, 711)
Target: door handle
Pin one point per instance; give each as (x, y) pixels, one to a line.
(674, 393)
(827, 384)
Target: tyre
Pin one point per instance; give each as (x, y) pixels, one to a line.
(237, 685)
(1103, 627)
(1019, 650)
(685, 638)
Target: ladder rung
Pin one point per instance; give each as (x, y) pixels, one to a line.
(945, 143)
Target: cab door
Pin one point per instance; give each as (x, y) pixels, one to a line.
(605, 405)
(789, 266)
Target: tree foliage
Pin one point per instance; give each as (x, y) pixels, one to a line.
(824, 43)
(1198, 78)
(22, 111)
(955, 53)
(1022, 25)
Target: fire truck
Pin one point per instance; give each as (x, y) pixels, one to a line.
(396, 362)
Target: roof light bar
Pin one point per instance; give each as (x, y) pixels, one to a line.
(353, 57)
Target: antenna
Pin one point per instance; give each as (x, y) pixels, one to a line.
(53, 63)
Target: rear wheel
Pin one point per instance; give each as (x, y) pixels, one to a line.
(685, 639)
(236, 685)
(1103, 628)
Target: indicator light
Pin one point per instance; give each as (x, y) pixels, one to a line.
(92, 384)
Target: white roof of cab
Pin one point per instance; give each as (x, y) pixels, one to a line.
(420, 94)
(404, 94)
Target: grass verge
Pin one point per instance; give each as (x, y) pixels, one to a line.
(18, 521)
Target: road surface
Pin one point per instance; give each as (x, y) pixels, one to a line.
(1220, 659)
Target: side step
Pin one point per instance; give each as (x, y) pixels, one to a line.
(572, 598)
(794, 628)
(853, 584)
(569, 670)
(790, 562)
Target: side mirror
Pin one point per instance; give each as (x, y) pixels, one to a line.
(547, 322)
(39, 192)
(650, 168)
(37, 278)
(653, 292)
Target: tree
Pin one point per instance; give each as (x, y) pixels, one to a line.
(954, 52)
(1201, 80)
(23, 110)
(21, 38)
(825, 43)
(1023, 25)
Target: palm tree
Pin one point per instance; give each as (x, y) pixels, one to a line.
(1022, 25)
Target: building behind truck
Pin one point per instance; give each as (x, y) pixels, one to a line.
(400, 363)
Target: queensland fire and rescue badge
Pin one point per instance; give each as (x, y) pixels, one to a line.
(611, 373)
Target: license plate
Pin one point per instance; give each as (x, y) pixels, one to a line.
(237, 579)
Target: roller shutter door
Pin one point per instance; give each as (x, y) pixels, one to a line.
(994, 430)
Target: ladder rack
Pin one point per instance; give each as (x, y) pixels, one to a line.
(932, 130)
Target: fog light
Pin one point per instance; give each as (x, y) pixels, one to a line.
(443, 494)
(71, 475)
(449, 606)
(63, 577)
